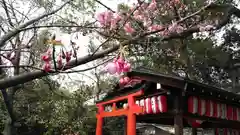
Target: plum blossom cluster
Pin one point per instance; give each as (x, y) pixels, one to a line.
(118, 66)
(124, 80)
(146, 13)
(62, 59)
(48, 59)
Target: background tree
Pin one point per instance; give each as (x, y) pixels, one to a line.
(165, 32)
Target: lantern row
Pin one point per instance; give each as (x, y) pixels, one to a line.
(151, 105)
(214, 109)
(226, 131)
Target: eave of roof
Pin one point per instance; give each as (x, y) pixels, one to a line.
(173, 81)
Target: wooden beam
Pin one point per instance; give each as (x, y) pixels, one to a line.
(138, 93)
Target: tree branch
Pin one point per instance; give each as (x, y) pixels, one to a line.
(23, 78)
(7, 13)
(230, 11)
(59, 26)
(105, 6)
(14, 32)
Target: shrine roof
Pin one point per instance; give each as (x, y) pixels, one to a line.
(150, 77)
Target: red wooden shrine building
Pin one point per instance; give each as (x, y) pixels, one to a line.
(156, 98)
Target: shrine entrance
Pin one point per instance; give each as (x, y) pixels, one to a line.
(151, 97)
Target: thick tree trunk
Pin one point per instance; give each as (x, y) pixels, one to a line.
(10, 128)
(9, 123)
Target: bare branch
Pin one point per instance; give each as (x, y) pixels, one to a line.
(83, 70)
(14, 32)
(7, 13)
(59, 26)
(108, 8)
(20, 66)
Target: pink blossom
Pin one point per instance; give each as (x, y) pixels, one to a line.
(68, 56)
(49, 52)
(101, 18)
(46, 58)
(120, 60)
(175, 28)
(155, 27)
(111, 68)
(118, 65)
(177, 1)
(139, 17)
(117, 17)
(119, 68)
(136, 13)
(144, 6)
(147, 22)
(126, 67)
(115, 20)
(47, 67)
(121, 81)
(132, 8)
(105, 18)
(124, 80)
(153, 5)
(128, 28)
(59, 61)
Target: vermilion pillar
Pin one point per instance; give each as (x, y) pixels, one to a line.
(99, 121)
(131, 117)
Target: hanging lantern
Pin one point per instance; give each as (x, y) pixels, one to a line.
(148, 106)
(209, 108)
(154, 105)
(229, 112)
(162, 103)
(142, 103)
(217, 110)
(202, 107)
(193, 104)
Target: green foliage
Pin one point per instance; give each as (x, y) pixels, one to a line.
(39, 106)
(42, 108)
(3, 114)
